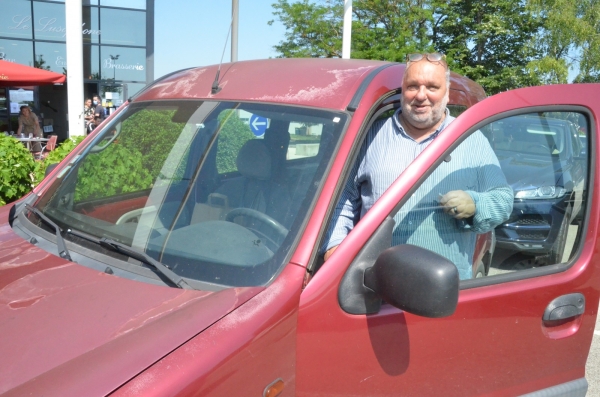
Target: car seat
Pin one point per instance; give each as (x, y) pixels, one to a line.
(256, 188)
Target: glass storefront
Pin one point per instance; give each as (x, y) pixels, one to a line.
(116, 46)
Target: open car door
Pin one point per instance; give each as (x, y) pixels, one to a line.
(525, 328)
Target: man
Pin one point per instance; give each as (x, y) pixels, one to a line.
(465, 195)
(98, 110)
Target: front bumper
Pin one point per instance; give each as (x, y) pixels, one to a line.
(533, 226)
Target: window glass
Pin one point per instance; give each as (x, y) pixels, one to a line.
(15, 19)
(17, 51)
(533, 159)
(123, 27)
(137, 4)
(121, 63)
(49, 21)
(191, 185)
(91, 25)
(3, 110)
(51, 56)
(130, 89)
(91, 62)
(456, 110)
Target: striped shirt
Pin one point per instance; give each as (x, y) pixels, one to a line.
(473, 168)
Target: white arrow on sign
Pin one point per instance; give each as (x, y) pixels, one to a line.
(256, 123)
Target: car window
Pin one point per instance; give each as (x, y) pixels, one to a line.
(456, 110)
(197, 187)
(531, 159)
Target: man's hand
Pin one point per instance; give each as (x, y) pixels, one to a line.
(329, 252)
(458, 204)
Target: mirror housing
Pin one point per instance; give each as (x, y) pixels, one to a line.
(49, 169)
(415, 280)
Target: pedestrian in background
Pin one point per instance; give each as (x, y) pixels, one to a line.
(29, 126)
(88, 114)
(98, 110)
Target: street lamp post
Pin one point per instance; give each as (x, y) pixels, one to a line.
(114, 58)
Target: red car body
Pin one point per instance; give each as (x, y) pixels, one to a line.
(68, 330)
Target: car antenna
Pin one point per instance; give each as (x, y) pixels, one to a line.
(215, 86)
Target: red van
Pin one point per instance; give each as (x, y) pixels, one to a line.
(176, 251)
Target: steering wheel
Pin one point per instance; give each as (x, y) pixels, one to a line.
(275, 233)
(134, 215)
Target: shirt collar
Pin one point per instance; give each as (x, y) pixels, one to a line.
(447, 120)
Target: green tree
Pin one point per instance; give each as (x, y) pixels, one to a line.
(153, 133)
(488, 41)
(40, 63)
(569, 40)
(381, 29)
(234, 133)
(312, 30)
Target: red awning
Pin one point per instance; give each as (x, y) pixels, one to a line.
(15, 74)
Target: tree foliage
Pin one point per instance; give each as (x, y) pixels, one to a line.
(502, 44)
(569, 40)
(487, 41)
(16, 170)
(234, 133)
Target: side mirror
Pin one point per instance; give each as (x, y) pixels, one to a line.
(415, 280)
(49, 169)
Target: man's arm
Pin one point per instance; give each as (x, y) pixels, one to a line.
(494, 198)
(346, 214)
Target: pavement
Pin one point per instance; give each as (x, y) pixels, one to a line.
(592, 368)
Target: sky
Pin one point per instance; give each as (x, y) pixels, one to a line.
(193, 33)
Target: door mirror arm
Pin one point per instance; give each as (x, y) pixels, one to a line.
(353, 296)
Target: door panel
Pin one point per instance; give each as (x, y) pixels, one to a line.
(496, 342)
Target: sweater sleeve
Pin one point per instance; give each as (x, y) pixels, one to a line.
(494, 198)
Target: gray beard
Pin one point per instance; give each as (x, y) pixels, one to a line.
(428, 120)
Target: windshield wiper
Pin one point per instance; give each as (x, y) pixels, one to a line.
(176, 279)
(63, 252)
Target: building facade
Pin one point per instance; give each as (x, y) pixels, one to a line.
(118, 54)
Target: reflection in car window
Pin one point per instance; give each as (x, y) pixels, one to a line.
(543, 161)
(197, 188)
(542, 158)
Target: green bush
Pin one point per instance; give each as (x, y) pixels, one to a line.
(115, 170)
(55, 156)
(234, 133)
(16, 170)
(153, 133)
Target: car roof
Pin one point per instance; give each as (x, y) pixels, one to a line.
(316, 82)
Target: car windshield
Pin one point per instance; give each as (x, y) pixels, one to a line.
(530, 135)
(216, 191)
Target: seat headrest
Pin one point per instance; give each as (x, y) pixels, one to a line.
(254, 160)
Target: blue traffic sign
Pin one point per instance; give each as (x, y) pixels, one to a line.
(258, 125)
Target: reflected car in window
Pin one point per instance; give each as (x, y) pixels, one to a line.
(545, 163)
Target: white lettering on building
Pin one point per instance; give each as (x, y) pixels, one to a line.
(47, 24)
(110, 64)
(20, 22)
(60, 61)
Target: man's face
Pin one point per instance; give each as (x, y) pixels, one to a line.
(424, 94)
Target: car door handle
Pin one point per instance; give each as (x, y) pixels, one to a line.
(564, 307)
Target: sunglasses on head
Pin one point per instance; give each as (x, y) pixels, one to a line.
(433, 57)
